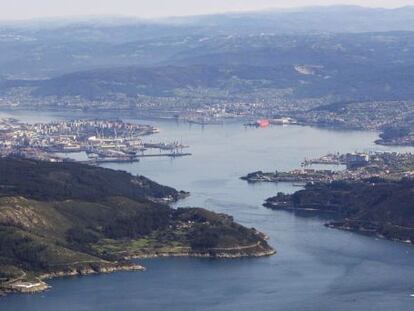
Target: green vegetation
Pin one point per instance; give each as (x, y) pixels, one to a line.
(65, 217)
(63, 181)
(373, 206)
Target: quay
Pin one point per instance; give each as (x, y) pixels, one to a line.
(172, 155)
(133, 159)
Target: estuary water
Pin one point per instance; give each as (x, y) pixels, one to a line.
(316, 268)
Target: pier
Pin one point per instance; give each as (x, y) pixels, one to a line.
(135, 158)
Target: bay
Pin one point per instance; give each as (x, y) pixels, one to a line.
(316, 268)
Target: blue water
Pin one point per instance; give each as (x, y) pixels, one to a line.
(316, 268)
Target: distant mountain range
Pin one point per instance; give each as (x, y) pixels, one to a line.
(340, 19)
(47, 48)
(366, 66)
(349, 52)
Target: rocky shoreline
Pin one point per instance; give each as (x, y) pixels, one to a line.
(37, 284)
(252, 251)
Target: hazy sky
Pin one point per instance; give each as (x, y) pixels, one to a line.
(24, 9)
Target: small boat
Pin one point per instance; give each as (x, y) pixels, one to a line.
(299, 185)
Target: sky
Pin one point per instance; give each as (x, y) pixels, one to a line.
(28, 9)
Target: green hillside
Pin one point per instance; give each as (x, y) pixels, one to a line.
(68, 218)
(373, 206)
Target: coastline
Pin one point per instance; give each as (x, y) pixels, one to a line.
(155, 116)
(367, 232)
(250, 251)
(342, 225)
(38, 283)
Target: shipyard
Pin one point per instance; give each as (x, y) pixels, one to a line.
(103, 141)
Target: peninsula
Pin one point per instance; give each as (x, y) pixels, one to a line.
(371, 195)
(60, 219)
(374, 206)
(357, 166)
